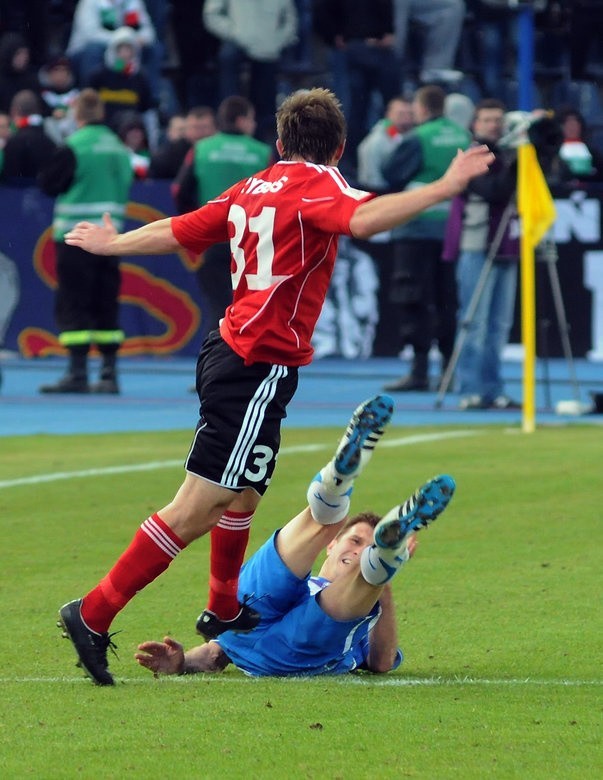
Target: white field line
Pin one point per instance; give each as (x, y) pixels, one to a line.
(162, 464)
(392, 682)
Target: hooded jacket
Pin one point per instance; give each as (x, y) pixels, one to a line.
(122, 88)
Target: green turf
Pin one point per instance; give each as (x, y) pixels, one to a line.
(499, 616)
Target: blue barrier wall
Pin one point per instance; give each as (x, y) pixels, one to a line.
(162, 305)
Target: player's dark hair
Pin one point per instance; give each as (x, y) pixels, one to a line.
(310, 125)
(364, 517)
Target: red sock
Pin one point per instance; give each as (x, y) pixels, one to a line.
(151, 551)
(228, 544)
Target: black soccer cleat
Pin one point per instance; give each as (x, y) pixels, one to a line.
(210, 625)
(90, 647)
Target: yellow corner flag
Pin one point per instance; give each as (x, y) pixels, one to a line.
(536, 210)
(534, 200)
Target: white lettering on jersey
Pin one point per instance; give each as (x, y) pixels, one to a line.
(255, 186)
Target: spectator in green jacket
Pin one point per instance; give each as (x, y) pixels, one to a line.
(210, 168)
(91, 170)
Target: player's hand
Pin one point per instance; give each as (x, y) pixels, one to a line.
(165, 657)
(466, 166)
(93, 238)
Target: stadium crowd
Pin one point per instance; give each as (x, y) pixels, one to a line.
(177, 56)
(163, 69)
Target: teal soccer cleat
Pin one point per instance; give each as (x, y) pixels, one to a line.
(417, 512)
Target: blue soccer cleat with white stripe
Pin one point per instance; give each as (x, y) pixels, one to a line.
(330, 490)
(364, 430)
(418, 511)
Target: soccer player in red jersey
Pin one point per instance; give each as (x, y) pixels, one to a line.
(283, 226)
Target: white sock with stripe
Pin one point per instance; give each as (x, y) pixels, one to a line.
(329, 495)
(379, 565)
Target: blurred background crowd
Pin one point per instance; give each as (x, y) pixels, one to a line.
(162, 67)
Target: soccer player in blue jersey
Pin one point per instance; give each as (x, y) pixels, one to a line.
(342, 619)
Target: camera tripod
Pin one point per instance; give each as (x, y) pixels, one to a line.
(546, 252)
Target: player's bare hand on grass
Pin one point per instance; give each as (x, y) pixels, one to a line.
(168, 657)
(92, 238)
(466, 166)
(165, 657)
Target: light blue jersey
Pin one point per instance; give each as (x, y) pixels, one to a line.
(295, 637)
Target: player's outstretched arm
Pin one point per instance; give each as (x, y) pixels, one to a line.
(383, 638)
(387, 211)
(156, 238)
(168, 657)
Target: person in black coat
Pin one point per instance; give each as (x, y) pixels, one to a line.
(29, 148)
(123, 86)
(16, 70)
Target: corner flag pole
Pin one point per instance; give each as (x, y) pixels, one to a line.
(536, 209)
(527, 262)
(528, 314)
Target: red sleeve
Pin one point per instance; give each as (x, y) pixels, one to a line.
(204, 227)
(330, 208)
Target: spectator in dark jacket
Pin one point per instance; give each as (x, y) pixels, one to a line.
(29, 148)
(363, 32)
(16, 70)
(122, 85)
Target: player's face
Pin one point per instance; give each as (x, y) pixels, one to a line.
(345, 552)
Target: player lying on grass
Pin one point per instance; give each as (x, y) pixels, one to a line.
(343, 618)
(283, 225)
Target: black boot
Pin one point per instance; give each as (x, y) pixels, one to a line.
(415, 381)
(76, 378)
(107, 383)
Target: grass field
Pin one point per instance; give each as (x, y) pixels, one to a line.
(499, 617)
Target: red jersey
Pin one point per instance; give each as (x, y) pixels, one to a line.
(283, 225)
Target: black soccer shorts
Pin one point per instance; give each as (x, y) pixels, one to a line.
(238, 435)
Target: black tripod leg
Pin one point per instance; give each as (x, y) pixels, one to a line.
(462, 334)
(563, 326)
(544, 326)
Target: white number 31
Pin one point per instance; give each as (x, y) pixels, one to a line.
(263, 226)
